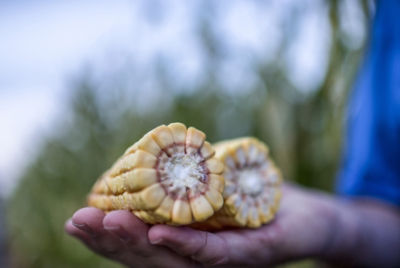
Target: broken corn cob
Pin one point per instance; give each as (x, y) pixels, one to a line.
(169, 176)
(252, 185)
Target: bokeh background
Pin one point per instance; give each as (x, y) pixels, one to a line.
(82, 80)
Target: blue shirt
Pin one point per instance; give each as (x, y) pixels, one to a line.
(371, 158)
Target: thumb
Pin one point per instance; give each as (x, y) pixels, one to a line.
(204, 247)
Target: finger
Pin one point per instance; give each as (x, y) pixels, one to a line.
(81, 235)
(90, 221)
(204, 247)
(73, 231)
(133, 232)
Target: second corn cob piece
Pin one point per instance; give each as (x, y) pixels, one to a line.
(252, 185)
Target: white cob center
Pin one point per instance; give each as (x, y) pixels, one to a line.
(251, 182)
(184, 171)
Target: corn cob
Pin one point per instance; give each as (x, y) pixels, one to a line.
(169, 176)
(252, 185)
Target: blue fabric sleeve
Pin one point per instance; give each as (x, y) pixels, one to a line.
(371, 158)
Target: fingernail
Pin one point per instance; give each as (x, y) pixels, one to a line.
(84, 227)
(119, 232)
(155, 241)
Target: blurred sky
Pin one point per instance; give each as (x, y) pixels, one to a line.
(44, 43)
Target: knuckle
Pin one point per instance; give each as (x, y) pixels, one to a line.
(209, 256)
(139, 251)
(110, 250)
(272, 238)
(197, 251)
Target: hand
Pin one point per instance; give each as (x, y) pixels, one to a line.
(302, 228)
(122, 237)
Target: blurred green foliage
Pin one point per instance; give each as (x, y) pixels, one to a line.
(303, 130)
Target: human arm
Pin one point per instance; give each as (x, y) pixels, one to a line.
(369, 234)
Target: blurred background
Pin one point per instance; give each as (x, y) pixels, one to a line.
(82, 80)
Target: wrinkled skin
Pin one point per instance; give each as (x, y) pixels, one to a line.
(308, 224)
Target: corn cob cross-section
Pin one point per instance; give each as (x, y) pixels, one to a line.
(169, 176)
(252, 185)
